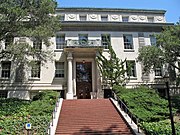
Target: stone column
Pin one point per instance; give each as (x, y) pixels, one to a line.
(69, 94)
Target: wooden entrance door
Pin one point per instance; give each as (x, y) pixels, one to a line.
(83, 80)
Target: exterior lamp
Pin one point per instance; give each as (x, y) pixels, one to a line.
(166, 79)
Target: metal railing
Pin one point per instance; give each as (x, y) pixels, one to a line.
(124, 108)
(84, 43)
(53, 116)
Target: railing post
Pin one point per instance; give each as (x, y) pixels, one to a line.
(49, 133)
(137, 124)
(131, 118)
(52, 118)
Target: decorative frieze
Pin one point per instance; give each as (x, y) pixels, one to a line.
(93, 17)
(114, 17)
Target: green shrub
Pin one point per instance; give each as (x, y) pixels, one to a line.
(145, 103)
(15, 113)
(160, 128)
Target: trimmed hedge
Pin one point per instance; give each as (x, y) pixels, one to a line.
(151, 109)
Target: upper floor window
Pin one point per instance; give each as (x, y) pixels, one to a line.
(60, 41)
(6, 69)
(150, 19)
(152, 39)
(37, 44)
(83, 39)
(104, 18)
(82, 17)
(158, 71)
(132, 68)
(106, 40)
(36, 69)
(125, 19)
(62, 17)
(59, 69)
(128, 42)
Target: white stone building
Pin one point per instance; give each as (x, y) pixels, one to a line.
(74, 69)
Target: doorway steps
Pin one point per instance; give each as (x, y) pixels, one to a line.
(91, 117)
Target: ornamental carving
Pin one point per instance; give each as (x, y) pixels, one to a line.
(134, 17)
(71, 16)
(159, 18)
(93, 16)
(142, 17)
(114, 17)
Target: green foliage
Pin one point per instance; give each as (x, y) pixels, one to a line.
(15, 113)
(149, 55)
(176, 102)
(150, 108)
(145, 103)
(160, 128)
(165, 52)
(31, 19)
(112, 69)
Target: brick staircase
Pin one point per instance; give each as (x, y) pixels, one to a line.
(90, 117)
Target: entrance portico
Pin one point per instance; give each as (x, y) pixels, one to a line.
(83, 79)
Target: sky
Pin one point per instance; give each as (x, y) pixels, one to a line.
(171, 6)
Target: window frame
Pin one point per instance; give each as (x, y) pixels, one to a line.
(37, 44)
(158, 72)
(60, 41)
(153, 40)
(8, 40)
(150, 19)
(133, 71)
(104, 18)
(125, 18)
(104, 40)
(59, 72)
(83, 39)
(6, 72)
(36, 71)
(83, 17)
(3, 94)
(62, 17)
(128, 45)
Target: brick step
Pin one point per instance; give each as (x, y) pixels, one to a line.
(87, 116)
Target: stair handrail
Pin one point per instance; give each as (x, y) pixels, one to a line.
(53, 115)
(124, 107)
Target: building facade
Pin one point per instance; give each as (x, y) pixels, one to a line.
(74, 69)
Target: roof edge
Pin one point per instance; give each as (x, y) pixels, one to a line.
(110, 9)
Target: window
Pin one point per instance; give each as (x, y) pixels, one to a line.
(104, 18)
(6, 69)
(62, 18)
(82, 17)
(150, 19)
(83, 39)
(37, 44)
(59, 69)
(8, 41)
(60, 41)
(152, 39)
(128, 41)
(125, 19)
(132, 68)
(3, 94)
(106, 40)
(36, 69)
(158, 71)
